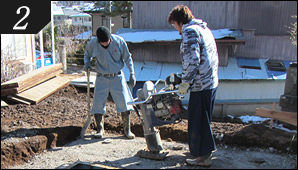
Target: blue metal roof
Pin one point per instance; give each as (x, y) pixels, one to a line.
(80, 15)
(154, 71)
(234, 72)
(151, 35)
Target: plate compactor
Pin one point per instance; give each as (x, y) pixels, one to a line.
(158, 108)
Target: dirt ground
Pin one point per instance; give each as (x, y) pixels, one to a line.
(27, 130)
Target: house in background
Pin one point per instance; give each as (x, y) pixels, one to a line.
(98, 19)
(59, 17)
(81, 19)
(252, 64)
(21, 47)
(17, 48)
(71, 16)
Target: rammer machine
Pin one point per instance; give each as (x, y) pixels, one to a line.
(157, 109)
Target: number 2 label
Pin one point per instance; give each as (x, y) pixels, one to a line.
(16, 26)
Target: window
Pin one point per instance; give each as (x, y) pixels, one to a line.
(275, 65)
(105, 22)
(125, 22)
(249, 63)
(14, 46)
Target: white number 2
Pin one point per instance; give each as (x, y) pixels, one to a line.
(16, 26)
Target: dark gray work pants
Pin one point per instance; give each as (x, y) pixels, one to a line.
(200, 110)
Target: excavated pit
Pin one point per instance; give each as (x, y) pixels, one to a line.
(30, 129)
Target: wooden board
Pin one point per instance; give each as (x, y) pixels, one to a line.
(3, 104)
(35, 82)
(43, 90)
(288, 117)
(5, 92)
(18, 100)
(13, 91)
(28, 80)
(84, 165)
(7, 85)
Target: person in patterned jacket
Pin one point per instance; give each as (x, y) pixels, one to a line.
(200, 77)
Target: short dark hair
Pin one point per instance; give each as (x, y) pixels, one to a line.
(181, 14)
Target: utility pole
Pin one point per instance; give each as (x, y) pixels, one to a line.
(110, 20)
(53, 36)
(41, 49)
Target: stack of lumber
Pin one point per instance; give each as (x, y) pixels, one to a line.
(33, 87)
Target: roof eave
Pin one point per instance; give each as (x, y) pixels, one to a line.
(219, 42)
(230, 42)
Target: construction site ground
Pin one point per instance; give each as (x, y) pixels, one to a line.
(45, 136)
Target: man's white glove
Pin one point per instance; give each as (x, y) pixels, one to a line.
(132, 80)
(183, 87)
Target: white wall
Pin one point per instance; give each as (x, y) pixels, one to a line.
(242, 97)
(250, 89)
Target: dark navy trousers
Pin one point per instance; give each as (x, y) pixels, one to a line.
(200, 110)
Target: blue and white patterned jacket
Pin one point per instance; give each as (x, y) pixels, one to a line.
(200, 57)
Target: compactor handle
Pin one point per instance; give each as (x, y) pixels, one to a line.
(134, 101)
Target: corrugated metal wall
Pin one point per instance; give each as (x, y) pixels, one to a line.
(154, 14)
(267, 21)
(168, 53)
(156, 52)
(265, 46)
(267, 17)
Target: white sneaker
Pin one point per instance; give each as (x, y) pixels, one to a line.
(205, 161)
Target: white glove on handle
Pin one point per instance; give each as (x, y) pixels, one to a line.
(132, 80)
(171, 87)
(183, 88)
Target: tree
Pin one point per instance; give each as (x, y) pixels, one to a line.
(47, 38)
(118, 8)
(293, 31)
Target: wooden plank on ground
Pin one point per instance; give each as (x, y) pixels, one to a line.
(43, 90)
(85, 165)
(17, 100)
(13, 91)
(25, 81)
(288, 117)
(3, 104)
(35, 82)
(9, 85)
(5, 92)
